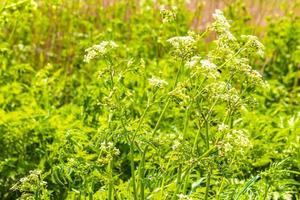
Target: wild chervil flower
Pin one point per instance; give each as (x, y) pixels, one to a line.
(156, 82)
(253, 45)
(184, 46)
(167, 15)
(193, 62)
(100, 50)
(179, 41)
(220, 25)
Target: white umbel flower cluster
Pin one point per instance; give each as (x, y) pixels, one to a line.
(234, 140)
(193, 62)
(183, 46)
(157, 82)
(99, 50)
(204, 66)
(253, 45)
(220, 25)
(167, 16)
(223, 91)
(179, 41)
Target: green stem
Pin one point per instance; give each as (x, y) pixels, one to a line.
(142, 163)
(195, 141)
(208, 182)
(132, 171)
(207, 133)
(186, 121)
(141, 174)
(178, 182)
(239, 51)
(110, 186)
(186, 181)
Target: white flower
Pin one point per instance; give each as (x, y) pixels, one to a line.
(220, 25)
(101, 49)
(167, 15)
(24, 179)
(176, 144)
(183, 197)
(193, 62)
(180, 92)
(287, 196)
(156, 82)
(253, 44)
(276, 195)
(207, 64)
(222, 127)
(179, 41)
(184, 46)
(255, 77)
(210, 69)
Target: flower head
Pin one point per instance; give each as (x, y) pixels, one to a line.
(167, 15)
(184, 46)
(101, 50)
(193, 62)
(253, 45)
(156, 82)
(220, 25)
(210, 69)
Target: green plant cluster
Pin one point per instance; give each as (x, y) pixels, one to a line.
(125, 100)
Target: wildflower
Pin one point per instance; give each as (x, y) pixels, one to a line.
(210, 69)
(109, 149)
(276, 195)
(167, 15)
(156, 82)
(253, 45)
(184, 46)
(226, 40)
(287, 196)
(222, 127)
(24, 179)
(101, 50)
(180, 92)
(240, 138)
(176, 144)
(207, 64)
(179, 41)
(193, 62)
(183, 197)
(206, 67)
(255, 77)
(220, 25)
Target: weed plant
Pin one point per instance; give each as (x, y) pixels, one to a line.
(126, 101)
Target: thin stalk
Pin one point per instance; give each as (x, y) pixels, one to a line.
(163, 181)
(208, 182)
(178, 182)
(110, 186)
(142, 173)
(239, 51)
(266, 191)
(142, 163)
(207, 133)
(186, 181)
(220, 189)
(196, 139)
(132, 171)
(186, 121)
